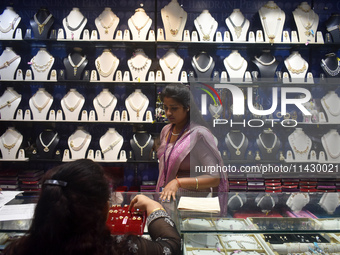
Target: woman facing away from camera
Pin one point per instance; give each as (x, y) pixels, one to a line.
(71, 213)
(185, 143)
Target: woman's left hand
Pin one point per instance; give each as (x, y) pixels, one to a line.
(169, 191)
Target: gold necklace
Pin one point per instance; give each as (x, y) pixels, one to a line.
(75, 66)
(138, 69)
(296, 71)
(10, 146)
(41, 26)
(174, 32)
(72, 109)
(135, 108)
(104, 26)
(173, 67)
(265, 26)
(40, 108)
(141, 27)
(41, 68)
(206, 36)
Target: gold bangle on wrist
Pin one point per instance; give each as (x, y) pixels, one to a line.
(196, 183)
(157, 209)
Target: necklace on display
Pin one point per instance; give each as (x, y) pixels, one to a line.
(10, 101)
(41, 26)
(135, 108)
(238, 29)
(74, 28)
(110, 71)
(310, 21)
(139, 146)
(237, 148)
(105, 106)
(9, 62)
(307, 143)
(269, 149)
(264, 63)
(78, 148)
(42, 68)
(330, 109)
(10, 146)
(215, 109)
(10, 26)
(206, 36)
(173, 67)
(232, 67)
(106, 27)
(329, 152)
(139, 69)
(331, 72)
(296, 71)
(200, 69)
(75, 67)
(265, 25)
(72, 109)
(40, 108)
(174, 32)
(207, 244)
(112, 145)
(46, 149)
(141, 27)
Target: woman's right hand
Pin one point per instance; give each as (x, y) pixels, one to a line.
(144, 203)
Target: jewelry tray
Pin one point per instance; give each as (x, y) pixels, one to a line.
(291, 224)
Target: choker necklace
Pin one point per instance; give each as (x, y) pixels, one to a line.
(105, 106)
(173, 67)
(106, 74)
(46, 149)
(11, 25)
(136, 109)
(7, 63)
(40, 108)
(141, 27)
(203, 70)
(270, 149)
(101, 18)
(212, 108)
(141, 147)
(75, 67)
(334, 156)
(295, 149)
(265, 26)
(331, 72)
(238, 29)
(206, 36)
(296, 71)
(330, 109)
(41, 26)
(237, 148)
(74, 28)
(264, 63)
(138, 69)
(112, 145)
(10, 146)
(78, 148)
(234, 68)
(174, 32)
(42, 68)
(10, 101)
(72, 109)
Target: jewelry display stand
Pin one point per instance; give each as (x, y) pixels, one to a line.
(332, 25)
(74, 24)
(111, 143)
(78, 143)
(238, 25)
(266, 202)
(139, 65)
(297, 67)
(72, 103)
(136, 105)
(106, 24)
(306, 21)
(9, 20)
(142, 144)
(139, 25)
(75, 64)
(40, 103)
(297, 201)
(41, 23)
(106, 65)
(329, 202)
(9, 102)
(47, 143)
(215, 110)
(236, 201)
(9, 62)
(203, 65)
(331, 106)
(266, 64)
(206, 26)
(330, 143)
(41, 65)
(174, 19)
(330, 66)
(269, 144)
(237, 144)
(236, 66)
(104, 104)
(301, 145)
(272, 19)
(10, 143)
(171, 64)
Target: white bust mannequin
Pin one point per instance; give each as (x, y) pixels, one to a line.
(171, 64)
(106, 65)
(174, 18)
(238, 25)
(139, 24)
(297, 201)
(106, 24)
(9, 62)
(40, 103)
(272, 19)
(297, 67)
(136, 105)
(301, 144)
(41, 65)
(9, 20)
(9, 102)
(139, 65)
(72, 103)
(74, 24)
(306, 21)
(206, 26)
(111, 143)
(329, 202)
(236, 66)
(10, 143)
(331, 105)
(330, 143)
(78, 143)
(104, 104)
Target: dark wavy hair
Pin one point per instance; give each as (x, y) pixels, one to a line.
(69, 219)
(181, 94)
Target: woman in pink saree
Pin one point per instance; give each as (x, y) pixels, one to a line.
(186, 144)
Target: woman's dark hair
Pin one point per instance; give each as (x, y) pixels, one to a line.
(181, 94)
(69, 218)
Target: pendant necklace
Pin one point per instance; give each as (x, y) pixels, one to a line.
(296, 71)
(46, 149)
(202, 70)
(105, 106)
(237, 148)
(72, 109)
(173, 67)
(138, 69)
(215, 109)
(141, 27)
(139, 146)
(10, 146)
(270, 149)
(306, 142)
(40, 108)
(265, 25)
(106, 27)
(41, 26)
(206, 36)
(75, 66)
(310, 21)
(238, 29)
(136, 109)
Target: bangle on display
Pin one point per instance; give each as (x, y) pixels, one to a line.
(179, 184)
(196, 183)
(157, 209)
